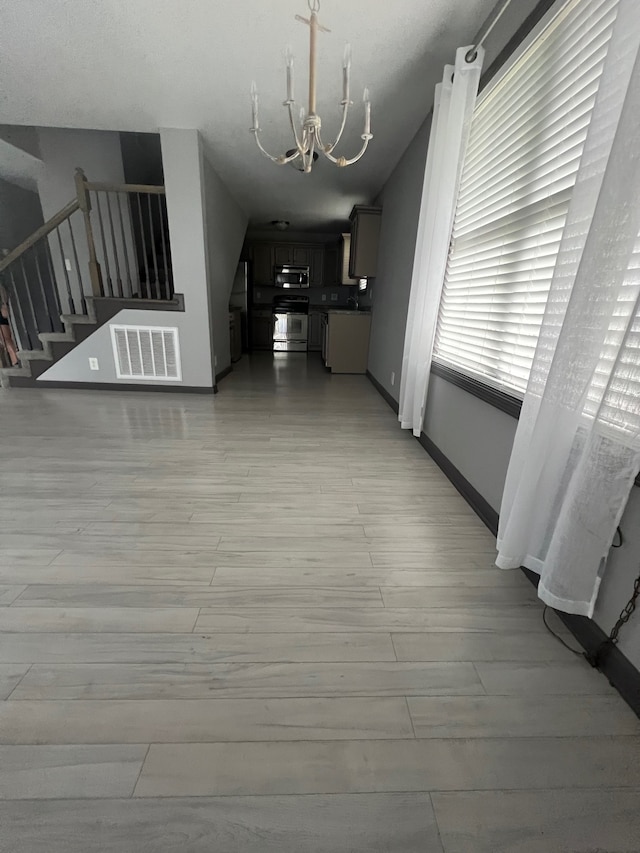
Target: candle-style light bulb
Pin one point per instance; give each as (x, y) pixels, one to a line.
(254, 103)
(289, 59)
(367, 111)
(346, 71)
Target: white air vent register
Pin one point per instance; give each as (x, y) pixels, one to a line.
(146, 352)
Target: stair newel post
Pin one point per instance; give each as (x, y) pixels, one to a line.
(84, 202)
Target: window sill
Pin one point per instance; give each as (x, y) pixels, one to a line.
(505, 402)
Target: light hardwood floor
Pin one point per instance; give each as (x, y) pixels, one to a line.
(265, 622)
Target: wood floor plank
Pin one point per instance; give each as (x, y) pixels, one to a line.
(112, 595)
(90, 619)
(359, 823)
(362, 577)
(542, 679)
(514, 716)
(403, 765)
(136, 574)
(168, 647)
(10, 676)
(499, 619)
(430, 597)
(42, 772)
(539, 821)
(9, 593)
(203, 720)
(246, 680)
(479, 646)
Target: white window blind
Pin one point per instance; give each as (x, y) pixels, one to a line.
(526, 141)
(146, 352)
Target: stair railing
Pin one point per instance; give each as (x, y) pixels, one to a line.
(111, 240)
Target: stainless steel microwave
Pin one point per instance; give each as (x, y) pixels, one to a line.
(291, 276)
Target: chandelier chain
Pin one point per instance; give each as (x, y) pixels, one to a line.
(314, 5)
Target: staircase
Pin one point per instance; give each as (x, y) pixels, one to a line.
(106, 250)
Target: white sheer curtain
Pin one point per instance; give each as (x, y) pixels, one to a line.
(577, 447)
(452, 113)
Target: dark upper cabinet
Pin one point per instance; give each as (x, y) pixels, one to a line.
(282, 256)
(300, 256)
(365, 235)
(332, 266)
(323, 262)
(262, 255)
(316, 266)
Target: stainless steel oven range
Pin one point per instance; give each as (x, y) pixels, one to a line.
(290, 323)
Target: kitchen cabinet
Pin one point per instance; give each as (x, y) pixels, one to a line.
(266, 256)
(262, 330)
(345, 255)
(345, 341)
(316, 266)
(291, 254)
(365, 236)
(315, 331)
(262, 255)
(332, 274)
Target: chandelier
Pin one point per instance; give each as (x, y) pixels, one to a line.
(308, 140)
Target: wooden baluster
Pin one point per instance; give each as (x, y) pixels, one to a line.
(153, 249)
(147, 288)
(105, 254)
(63, 261)
(124, 245)
(84, 203)
(167, 283)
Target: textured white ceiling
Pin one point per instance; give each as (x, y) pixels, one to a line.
(140, 65)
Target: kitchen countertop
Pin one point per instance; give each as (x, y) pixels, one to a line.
(348, 311)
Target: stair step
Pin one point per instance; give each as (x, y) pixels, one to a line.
(16, 371)
(34, 355)
(76, 319)
(50, 337)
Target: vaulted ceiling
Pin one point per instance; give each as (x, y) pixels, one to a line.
(139, 65)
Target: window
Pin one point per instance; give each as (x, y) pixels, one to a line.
(526, 141)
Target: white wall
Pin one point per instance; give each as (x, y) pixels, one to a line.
(225, 228)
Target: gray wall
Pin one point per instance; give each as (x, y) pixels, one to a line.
(99, 154)
(400, 202)
(184, 182)
(74, 367)
(476, 437)
(20, 214)
(225, 228)
(182, 163)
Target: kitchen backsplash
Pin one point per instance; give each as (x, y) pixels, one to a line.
(265, 295)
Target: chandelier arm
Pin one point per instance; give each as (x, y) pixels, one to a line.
(345, 111)
(299, 144)
(281, 160)
(342, 161)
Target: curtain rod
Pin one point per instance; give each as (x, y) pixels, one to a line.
(473, 52)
